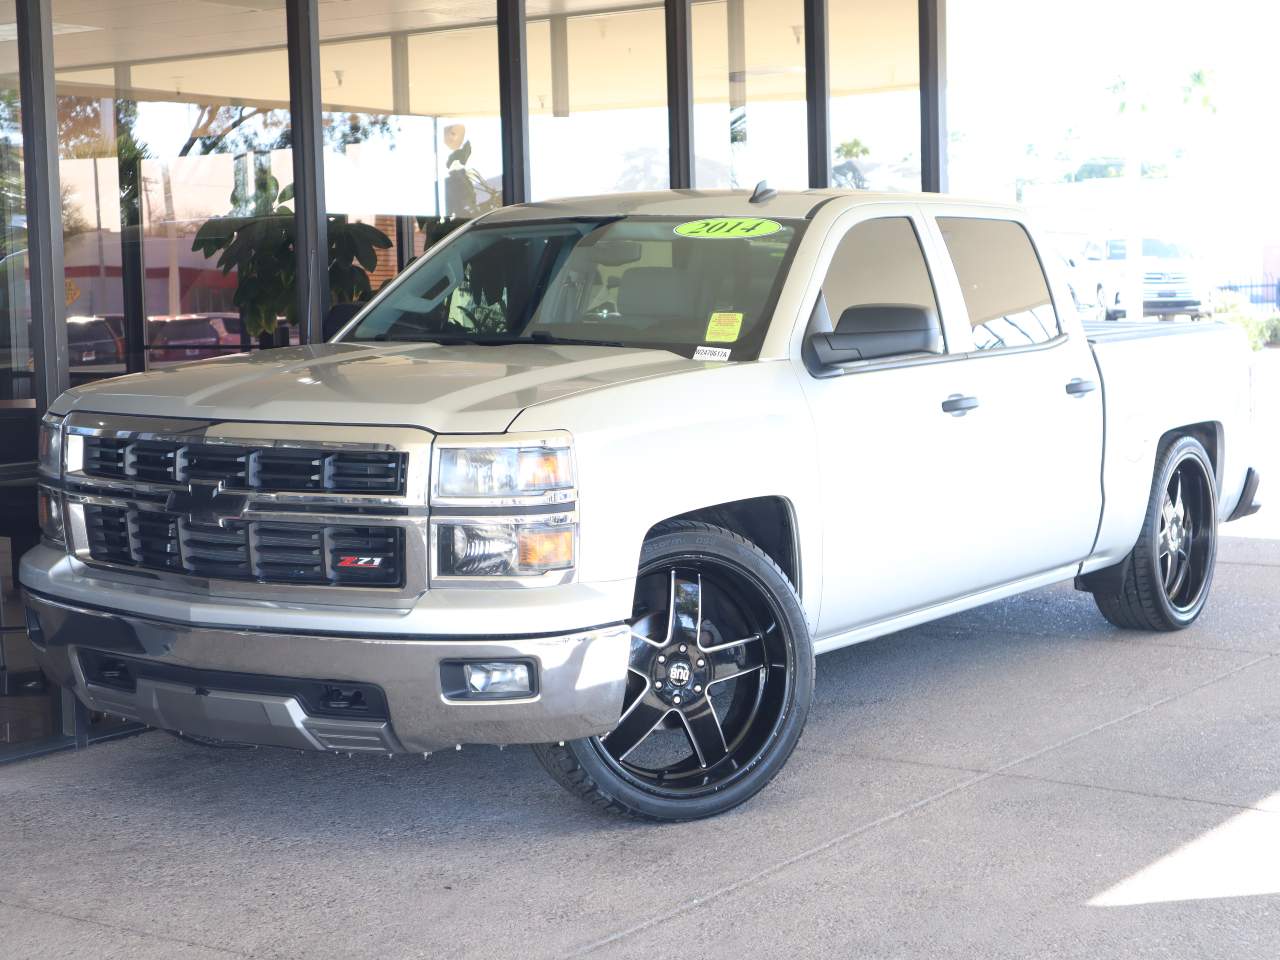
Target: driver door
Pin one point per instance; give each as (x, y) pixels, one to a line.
(898, 523)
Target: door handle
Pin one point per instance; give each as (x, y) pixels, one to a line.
(1078, 387)
(958, 405)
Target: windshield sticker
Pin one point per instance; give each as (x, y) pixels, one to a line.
(737, 228)
(723, 328)
(718, 354)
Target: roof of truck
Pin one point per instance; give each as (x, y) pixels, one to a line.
(786, 204)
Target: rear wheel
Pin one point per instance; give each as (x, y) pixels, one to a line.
(1168, 573)
(720, 679)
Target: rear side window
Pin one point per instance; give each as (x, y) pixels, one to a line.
(1003, 283)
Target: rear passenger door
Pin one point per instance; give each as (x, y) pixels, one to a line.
(1033, 474)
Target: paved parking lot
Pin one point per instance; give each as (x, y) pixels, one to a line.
(1019, 781)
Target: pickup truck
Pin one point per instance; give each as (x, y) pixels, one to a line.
(603, 475)
(1171, 281)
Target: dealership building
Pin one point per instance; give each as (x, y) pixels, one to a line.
(132, 129)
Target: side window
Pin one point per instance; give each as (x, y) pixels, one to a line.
(879, 262)
(879, 295)
(1003, 283)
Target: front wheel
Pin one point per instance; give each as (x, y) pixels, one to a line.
(1167, 575)
(720, 679)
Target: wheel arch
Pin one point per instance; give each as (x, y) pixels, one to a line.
(767, 521)
(1210, 435)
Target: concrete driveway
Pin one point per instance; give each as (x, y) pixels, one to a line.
(1019, 781)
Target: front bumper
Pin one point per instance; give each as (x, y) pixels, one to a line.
(253, 686)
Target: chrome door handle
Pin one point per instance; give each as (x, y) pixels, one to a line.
(1078, 387)
(958, 405)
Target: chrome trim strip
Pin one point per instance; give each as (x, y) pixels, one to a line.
(414, 442)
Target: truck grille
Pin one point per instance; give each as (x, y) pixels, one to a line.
(246, 468)
(266, 552)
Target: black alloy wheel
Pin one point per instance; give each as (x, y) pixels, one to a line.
(1166, 577)
(1185, 534)
(720, 677)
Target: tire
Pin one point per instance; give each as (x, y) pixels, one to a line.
(709, 718)
(1107, 312)
(1166, 577)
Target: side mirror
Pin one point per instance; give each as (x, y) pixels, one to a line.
(339, 315)
(871, 332)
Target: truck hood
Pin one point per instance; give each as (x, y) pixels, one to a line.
(448, 389)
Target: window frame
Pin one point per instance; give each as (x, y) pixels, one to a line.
(946, 290)
(956, 296)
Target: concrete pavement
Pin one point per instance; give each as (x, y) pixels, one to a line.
(1018, 781)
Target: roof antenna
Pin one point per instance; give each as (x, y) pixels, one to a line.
(762, 192)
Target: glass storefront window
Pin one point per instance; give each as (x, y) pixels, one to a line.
(167, 156)
(597, 99)
(411, 137)
(749, 117)
(874, 51)
(15, 311)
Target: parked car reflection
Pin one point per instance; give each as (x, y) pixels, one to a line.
(194, 336)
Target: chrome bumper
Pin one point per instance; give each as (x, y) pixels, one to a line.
(580, 681)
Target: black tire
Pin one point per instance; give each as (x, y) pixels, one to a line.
(1151, 595)
(1107, 312)
(764, 705)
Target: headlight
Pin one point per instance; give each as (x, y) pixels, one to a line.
(489, 518)
(507, 547)
(49, 515)
(50, 446)
(468, 473)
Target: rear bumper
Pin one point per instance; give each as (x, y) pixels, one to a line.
(267, 687)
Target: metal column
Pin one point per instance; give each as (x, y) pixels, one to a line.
(513, 96)
(43, 195)
(933, 100)
(680, 93)
(311, 244)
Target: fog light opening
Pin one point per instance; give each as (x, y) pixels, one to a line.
(495, 678)
(488, 679)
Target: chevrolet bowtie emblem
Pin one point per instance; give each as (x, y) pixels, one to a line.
(207, 503)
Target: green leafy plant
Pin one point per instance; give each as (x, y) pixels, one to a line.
(257, 240)
(1260, 329)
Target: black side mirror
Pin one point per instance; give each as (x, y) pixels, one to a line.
(339, 315)
(869, 332)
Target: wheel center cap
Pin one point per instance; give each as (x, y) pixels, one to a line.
(679, 672)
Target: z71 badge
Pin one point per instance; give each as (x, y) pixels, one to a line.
(372, 562)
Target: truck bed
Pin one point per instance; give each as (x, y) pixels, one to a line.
(1111, 331)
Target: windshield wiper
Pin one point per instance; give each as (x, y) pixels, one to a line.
(543, 336)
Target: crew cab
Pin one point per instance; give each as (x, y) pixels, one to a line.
(603, 475)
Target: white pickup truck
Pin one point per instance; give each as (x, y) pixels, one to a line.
(603, 475)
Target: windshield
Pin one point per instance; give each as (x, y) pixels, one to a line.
(666, 283)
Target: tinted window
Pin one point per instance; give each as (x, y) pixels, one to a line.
(172, 331)
(879, 262)
(1003, 284)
